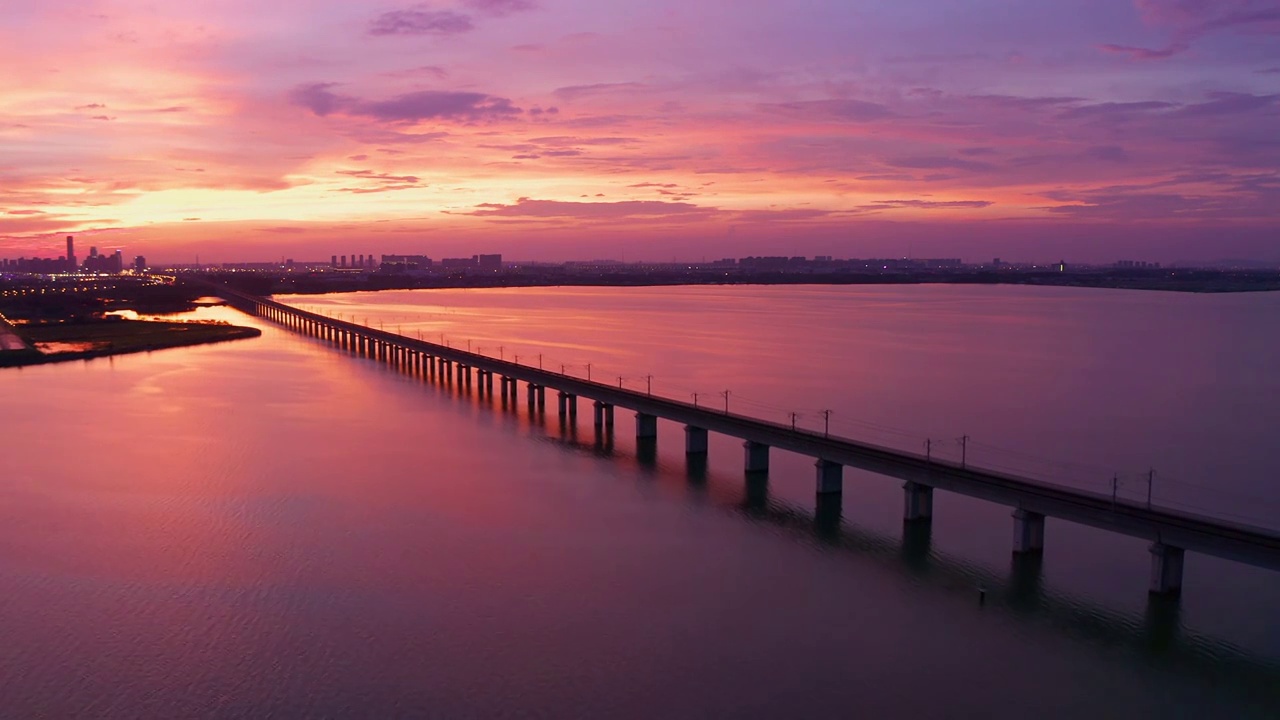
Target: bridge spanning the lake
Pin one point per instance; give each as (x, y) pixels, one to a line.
(1172, 533)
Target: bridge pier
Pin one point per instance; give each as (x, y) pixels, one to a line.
(829, 477)
(568, 405)
(603, 415)
(755, 457)
(535, 396)
(464, 376)
(488, 382)
(1166, 569)
(695, 440)
(1028, 531)
(917, 502)
(646, 427)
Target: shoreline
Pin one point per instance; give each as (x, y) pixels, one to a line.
(172, 337)
(1204, 285)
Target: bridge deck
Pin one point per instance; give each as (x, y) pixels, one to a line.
(1211, 536)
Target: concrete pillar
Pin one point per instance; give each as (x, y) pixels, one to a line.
(488, 382)
(917, 501)
(1028, 531)
(448, 371)
(531, 395)
(542, 397)
(568, 404)
(646, 426)
(1166, 569)
(830, 477)
(755, 457)
(464, 375)
(603, 414)
(695, 440)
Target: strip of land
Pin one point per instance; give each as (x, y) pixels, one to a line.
(50, 342)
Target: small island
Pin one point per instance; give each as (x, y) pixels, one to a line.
(43, 342)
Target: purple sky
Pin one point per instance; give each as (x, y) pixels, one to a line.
(1090, 129)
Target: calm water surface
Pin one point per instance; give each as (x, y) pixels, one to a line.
(273, 528)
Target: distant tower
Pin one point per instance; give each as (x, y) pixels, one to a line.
(71, 253)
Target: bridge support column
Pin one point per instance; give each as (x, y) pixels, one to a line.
(488, 382)
(829, 477)
(1166, 569)
(464, 376)
(603, 415)
(1028, 531)
(542, 398)
(917, 502)
(448, 371)
(755, 457)
(568, 405)
(531, 395)
(695, 440)
(646, 426)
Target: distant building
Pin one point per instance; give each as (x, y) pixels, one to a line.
(489, 262)
(405, 263)
(71, 254)
(139, 263)
(103, 264)
(470, 263)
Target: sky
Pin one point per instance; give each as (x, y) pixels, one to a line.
(1087, 130)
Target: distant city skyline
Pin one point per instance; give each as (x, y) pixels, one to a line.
(1090, 130)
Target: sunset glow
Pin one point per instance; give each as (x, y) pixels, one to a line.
(563, 128)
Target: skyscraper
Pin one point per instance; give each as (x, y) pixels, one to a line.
(71, 253)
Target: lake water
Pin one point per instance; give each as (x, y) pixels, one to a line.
(274, 528)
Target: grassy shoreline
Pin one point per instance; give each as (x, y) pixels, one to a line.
(103, 338)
